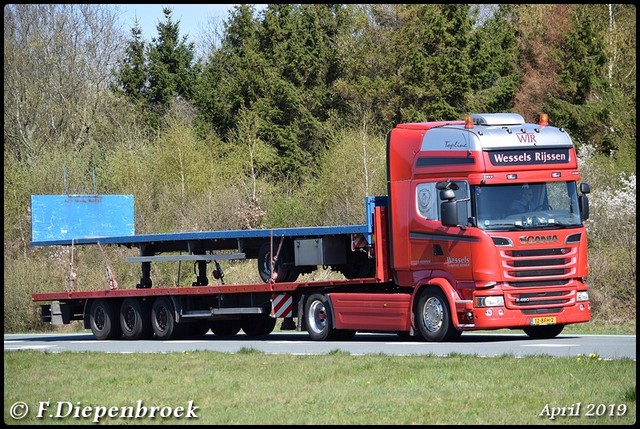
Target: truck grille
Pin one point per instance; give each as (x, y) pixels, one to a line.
(555, 263)
(528, 270)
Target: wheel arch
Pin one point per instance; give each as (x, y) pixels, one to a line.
(446, 288)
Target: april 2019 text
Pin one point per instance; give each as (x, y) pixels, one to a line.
(584, 410)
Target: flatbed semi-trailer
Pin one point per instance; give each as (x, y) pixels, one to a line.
(442, 253)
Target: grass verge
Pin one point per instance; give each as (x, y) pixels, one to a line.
(250, 387)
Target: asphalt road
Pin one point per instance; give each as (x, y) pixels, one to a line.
(299, 343)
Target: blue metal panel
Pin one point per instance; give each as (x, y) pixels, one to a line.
(71, 217)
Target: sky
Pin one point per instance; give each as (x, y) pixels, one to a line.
(193, 17)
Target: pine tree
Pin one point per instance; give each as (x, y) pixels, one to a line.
(172, 73)
(131, 74)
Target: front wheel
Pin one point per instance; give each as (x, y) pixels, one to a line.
(433, 316)
(543, 332)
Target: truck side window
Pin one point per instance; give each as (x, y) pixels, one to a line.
(427, 201)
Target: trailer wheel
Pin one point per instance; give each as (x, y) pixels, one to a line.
(258, 325)
(264, 264)
(318, 318)
(163, 320)
(135, 319)
(103, 319)
(225, 328)
(543, 332)
(433, 316)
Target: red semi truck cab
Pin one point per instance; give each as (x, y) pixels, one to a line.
(459, 235)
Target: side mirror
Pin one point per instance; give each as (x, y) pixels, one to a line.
(583, 201)
(449, 213)
(447, 195)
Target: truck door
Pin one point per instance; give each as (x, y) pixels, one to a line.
(432, 245)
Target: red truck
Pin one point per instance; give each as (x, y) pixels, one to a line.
(445, 251)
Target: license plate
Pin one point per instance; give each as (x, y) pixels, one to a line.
(535, 321)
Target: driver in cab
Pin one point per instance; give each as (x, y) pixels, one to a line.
(522, 204)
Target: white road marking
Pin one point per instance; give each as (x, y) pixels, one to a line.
(549, 345)
(34, 347)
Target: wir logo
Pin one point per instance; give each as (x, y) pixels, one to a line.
(526, 138)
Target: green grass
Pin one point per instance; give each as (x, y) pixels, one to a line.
(254, 388)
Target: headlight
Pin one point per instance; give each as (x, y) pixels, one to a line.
(490, 301)
(582, 296)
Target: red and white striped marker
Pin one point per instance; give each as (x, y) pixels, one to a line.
(281, 305)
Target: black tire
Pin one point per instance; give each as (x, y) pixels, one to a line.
(359, 266)
(343, 334)
(163, 319)
(405, 335)
(196, 329)
(543, 332)
(293, 275)
(317, 318)
(103, 320)
(433, 316)
(264, 264)
(258, 325)
(225, 328)
(135, 319)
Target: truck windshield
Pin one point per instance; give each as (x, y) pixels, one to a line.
(527, 206)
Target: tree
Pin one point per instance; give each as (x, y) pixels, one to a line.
(494, 67)
(582, 64)
(172, 72)
(131, 75)
(57, 59)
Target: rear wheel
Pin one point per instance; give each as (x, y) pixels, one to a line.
(258, 325)
(543, 332)
(433, 316)
(103, 319)
(163, 319)
(135, 319)
(225, 328)
(342, 334)
(318, 317)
